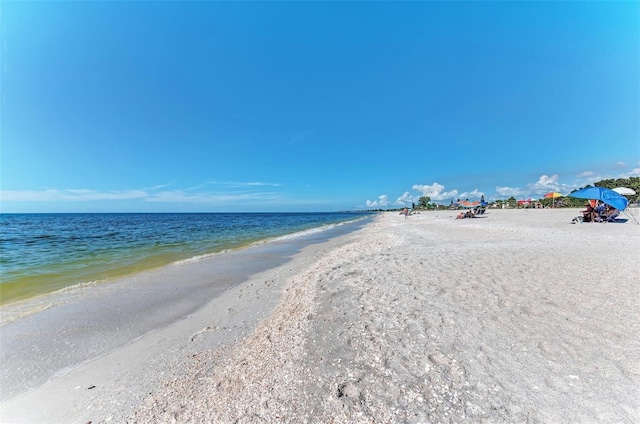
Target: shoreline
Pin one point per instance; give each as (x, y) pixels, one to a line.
(50, 335)
(81, 265)
(40, 300)
(425, 319)
(109, 387)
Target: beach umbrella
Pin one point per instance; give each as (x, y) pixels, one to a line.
(553, 195)
(605, 195)
(625, 191)
(468, 205)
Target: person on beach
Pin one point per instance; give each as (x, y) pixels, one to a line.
(608, 215)
(467, 214)
(612, 214)
(588, 215)
(405, 212)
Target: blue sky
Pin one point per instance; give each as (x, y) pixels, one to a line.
(312, 106)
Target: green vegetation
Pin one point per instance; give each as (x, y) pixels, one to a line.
(424, 202)
(571, 202)
(511, 202)
(632, 183)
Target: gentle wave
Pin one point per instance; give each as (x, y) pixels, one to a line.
(285, 237)
(41, 253)
(199, 258)
(308, 232)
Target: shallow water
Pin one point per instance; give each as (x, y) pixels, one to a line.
(40, 253)
(47, 336)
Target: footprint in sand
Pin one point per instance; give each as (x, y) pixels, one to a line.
(204, 330)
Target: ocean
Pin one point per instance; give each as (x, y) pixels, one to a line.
(42, 253)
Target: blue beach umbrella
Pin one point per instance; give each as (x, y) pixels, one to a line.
(607, 196)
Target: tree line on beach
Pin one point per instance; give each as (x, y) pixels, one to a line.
(631, 182)
(424, 202)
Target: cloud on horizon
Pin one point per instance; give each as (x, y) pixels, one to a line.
(382, 201)
(545, 184)
(69, 195)
(245, 184)
(405, 199)
(635, 172)
(152, 194)
(507, 192)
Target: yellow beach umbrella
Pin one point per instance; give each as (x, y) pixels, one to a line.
(553, 195)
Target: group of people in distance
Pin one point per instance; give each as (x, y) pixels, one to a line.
(466, 214)
(470, 213)
(601, 212)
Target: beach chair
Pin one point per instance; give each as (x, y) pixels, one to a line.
(612, 216)
(607, 215)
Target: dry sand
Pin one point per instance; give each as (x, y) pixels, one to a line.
(515, 317)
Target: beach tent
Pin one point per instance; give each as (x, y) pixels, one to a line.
(478, 206)
(625, 191)
(605, 195)
(469, 205)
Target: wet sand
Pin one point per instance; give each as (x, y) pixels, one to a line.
(518, 316)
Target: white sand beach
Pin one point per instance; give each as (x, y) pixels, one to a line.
(517, 316)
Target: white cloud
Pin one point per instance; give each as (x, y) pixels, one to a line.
(180, 196)
(552, 184)
(547, 184)
(546, 181)
(260, 184)
(406, 198)
(432, 190)
(436, 191)
(635, 172)
(509, 191)
(156, 187)
(237, 184)
(382, 201)
(245, 192)
(621, 165)
(475, 194)
(69, 195)
(544, 184)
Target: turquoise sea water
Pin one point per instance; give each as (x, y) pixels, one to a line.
(40, 253)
